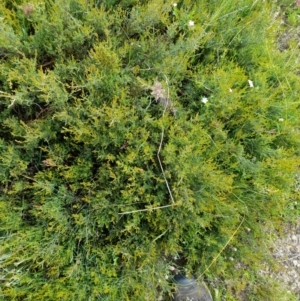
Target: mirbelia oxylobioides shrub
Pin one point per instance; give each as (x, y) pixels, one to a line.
(141, 136)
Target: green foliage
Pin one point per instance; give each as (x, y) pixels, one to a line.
(86, 212)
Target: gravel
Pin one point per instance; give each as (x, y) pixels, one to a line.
(287, 252)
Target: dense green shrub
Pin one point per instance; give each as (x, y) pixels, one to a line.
(102, 186)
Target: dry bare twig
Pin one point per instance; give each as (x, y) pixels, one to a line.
(163, 98)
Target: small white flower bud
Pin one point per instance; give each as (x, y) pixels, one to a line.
(250, 82)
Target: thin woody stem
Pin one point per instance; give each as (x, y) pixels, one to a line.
(143, 210)
(223, 248)
(161, 167)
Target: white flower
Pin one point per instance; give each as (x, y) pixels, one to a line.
(204, 100)
(191, 23)
(250, 82)
(175, 4)
(280, 119)
(230, 90)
